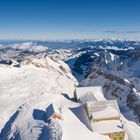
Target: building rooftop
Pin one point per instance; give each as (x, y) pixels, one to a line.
(110, 126)
(102, 109)
(108, 112)
(93, 93)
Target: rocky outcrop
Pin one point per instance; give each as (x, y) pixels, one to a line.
(133, 101)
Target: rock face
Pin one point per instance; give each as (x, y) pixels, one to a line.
(133, 101)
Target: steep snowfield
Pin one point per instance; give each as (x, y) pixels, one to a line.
(27, 89)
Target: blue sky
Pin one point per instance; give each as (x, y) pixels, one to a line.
(69, 19)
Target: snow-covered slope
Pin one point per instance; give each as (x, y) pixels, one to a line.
(27, 89)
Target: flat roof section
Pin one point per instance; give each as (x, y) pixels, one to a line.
(93, 93)
(110, 126)
(108, 112)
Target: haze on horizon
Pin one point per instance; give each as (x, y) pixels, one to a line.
(69, 19)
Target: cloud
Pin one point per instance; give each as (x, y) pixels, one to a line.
(121, 32)
(30, 46)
